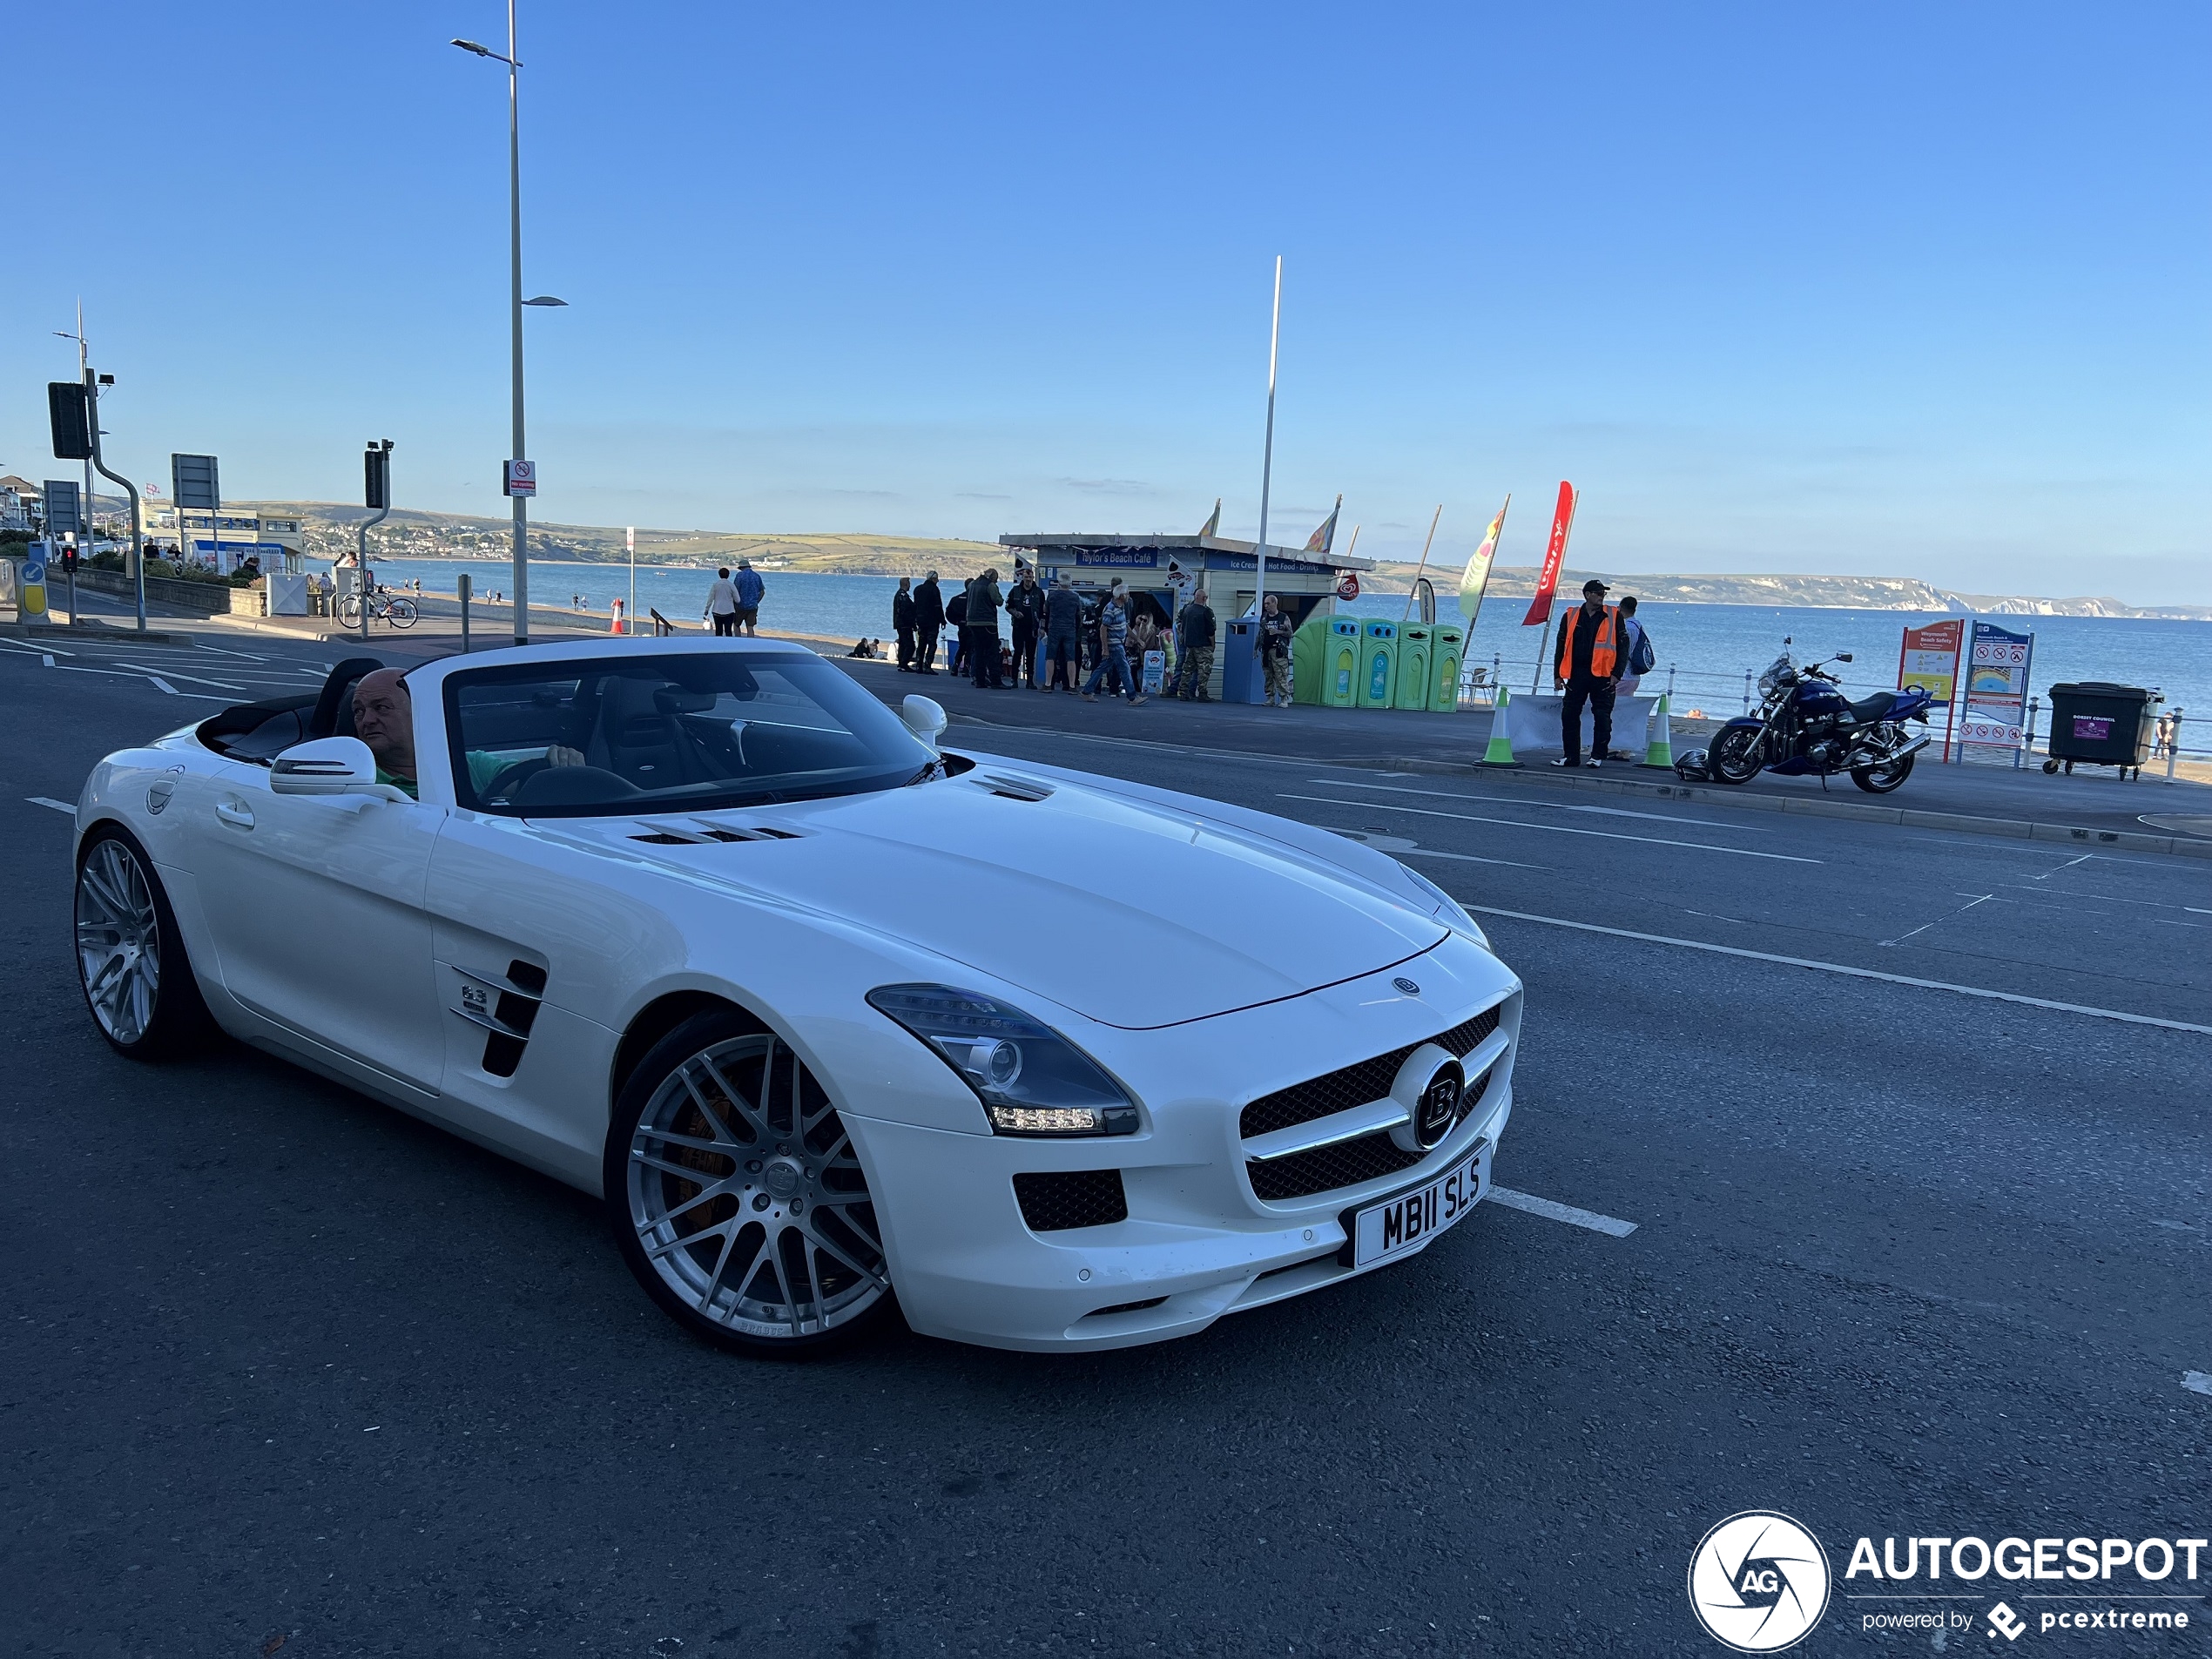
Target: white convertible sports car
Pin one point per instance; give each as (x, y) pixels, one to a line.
(826, 1016)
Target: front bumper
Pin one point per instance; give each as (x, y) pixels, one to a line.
(1196, 1242)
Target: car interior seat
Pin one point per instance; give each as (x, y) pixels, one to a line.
(640, 734)
(333, 715)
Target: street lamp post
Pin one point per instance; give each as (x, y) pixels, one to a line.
(516, 303)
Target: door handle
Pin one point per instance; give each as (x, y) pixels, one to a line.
(235, 812)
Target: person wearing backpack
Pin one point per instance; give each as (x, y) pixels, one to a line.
(1643, 658)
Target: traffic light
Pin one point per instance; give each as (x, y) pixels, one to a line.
(72, 430)
(68, 557)
(377, 468)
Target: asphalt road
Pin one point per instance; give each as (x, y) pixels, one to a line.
(279, 1363)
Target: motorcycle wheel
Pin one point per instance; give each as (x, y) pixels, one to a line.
(1879, 780)
(1735, 756)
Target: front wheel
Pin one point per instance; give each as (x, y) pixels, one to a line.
(1879, 780)
(129, 957)
(736, 1195)
(349, 610)
(1737, 754)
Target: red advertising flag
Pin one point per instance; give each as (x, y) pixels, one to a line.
(1540, 608)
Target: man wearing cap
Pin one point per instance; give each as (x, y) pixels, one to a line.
(1587, 665)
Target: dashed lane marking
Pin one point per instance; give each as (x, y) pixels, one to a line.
(1550, 829)
(48, 800)
(1847, 971)
(1547, 805)
(1565, 1212)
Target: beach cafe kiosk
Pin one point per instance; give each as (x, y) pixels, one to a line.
(1169, 569)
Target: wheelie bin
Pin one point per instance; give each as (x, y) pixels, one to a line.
(1325, 663)
(2095, 723)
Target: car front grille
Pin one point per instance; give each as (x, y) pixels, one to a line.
(1355, 1085)
(1347, 1164)
(1054, 1200)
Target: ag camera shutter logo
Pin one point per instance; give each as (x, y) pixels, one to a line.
(1758, 1582)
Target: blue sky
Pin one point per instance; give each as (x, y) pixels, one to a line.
(1896, 289)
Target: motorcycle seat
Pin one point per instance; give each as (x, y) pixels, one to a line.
(1870, 709)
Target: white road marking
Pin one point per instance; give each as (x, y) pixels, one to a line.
(48, 800)
(1544, 805)
(1979, 898)
(2197, 1382)
(163, 683)
(1847, 971)
(1400, 847)
(1565, 1212)
(46, 661)
(2068, 865)
(1548, 829)
(1469, 858)
(195, 679)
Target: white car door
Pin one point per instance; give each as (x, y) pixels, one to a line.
(315, 903)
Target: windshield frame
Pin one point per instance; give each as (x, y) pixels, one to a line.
(848, 702)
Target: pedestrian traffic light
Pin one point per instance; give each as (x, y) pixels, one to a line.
(377, 468)
(72, 430)
(68, 557)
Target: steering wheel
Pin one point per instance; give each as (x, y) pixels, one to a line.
(509, 779)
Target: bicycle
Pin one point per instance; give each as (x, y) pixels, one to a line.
(397, 610)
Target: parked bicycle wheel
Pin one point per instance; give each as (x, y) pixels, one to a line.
(349, 610)
(401, 613)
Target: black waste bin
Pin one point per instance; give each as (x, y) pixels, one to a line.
(2101, 725)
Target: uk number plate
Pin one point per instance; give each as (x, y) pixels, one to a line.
(1405, 1223)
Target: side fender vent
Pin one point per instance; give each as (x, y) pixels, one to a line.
(506, 1007)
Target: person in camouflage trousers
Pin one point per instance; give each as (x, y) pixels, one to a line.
(1194, 633)
(1275, 650)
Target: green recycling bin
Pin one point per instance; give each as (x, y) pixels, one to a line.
(1447, 649)
(1325, 663)
(1378, 687)
(1416, 648)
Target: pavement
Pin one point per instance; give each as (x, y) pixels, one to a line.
(1899, 1133)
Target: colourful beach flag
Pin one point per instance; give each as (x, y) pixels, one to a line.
(1476, 580)
(1325, 537)
(1540, 608)
(1212, 526)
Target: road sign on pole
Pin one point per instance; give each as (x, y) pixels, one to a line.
(64, 508)
(520, 478)
(193, 485)
(65, 408)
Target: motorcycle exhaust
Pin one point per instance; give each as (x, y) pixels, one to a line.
(1900, 752)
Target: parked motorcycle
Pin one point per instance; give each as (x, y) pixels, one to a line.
(1806, 725)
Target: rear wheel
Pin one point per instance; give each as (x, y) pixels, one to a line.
(735, 1196)
(1879, 780)
(130, 958)
(1736, 754)
(401, 613)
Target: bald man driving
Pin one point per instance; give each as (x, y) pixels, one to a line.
(384, 719)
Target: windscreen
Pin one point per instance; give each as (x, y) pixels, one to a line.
(688, 733)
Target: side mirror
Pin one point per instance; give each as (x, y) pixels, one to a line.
(327, 766)
(1843, 656)
(924, 717)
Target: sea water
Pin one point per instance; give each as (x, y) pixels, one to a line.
(1707, 649)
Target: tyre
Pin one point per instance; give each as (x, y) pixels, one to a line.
(402, 613)
(131, 959)
(349, 610)
(1736, 755)
(1879, 780)
(2050, 768)
(736, 1197)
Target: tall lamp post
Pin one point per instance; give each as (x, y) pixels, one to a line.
(516, 303)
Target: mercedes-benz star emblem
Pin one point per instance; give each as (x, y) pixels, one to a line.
(1406, 985)
(1440, 1104)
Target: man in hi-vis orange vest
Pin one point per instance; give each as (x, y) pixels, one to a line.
(1591, 657)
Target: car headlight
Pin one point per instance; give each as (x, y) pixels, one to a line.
(1031, 1080)
(1448, 909)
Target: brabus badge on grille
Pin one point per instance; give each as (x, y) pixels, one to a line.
(1440, 1104)
(1406, 985)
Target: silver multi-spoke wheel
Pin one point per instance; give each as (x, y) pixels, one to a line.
(747, 1199)
(119, 941)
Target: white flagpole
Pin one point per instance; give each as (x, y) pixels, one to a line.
(1423, 572)
(1267, 463)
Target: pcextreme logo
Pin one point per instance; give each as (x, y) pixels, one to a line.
(1758, 1582)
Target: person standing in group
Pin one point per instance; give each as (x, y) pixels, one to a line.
(929, 617)
(1025, 610)
(750, 590)
(1275, 650)
(1113, 655)
(722, 604)
(1063, 629)
(1193, 639)
(1143, 638)
(1636, 646)
(1587, 664)
(983, 600)
(903, 622)
(957, 619)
